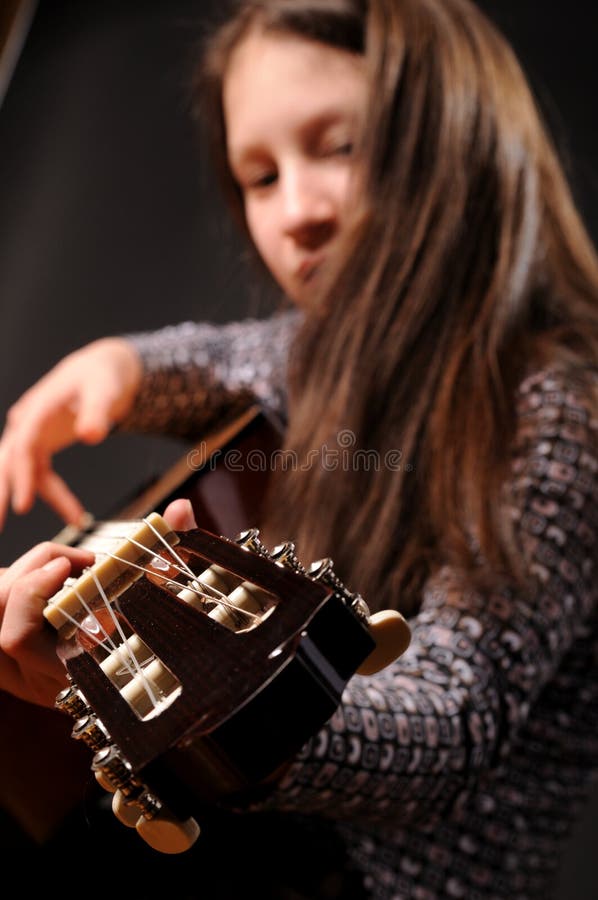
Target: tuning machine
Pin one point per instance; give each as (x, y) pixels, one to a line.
(135, 805)
(388, 628)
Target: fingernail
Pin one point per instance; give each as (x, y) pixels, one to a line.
(54, 565)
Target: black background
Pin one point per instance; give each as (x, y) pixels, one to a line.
(109, 221)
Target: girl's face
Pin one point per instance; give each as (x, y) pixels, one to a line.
(293, 110)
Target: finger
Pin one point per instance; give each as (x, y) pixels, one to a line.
(57, 494)
(24, 635)
(24, 467)
(39, 556)
(26, 456)
(180, 516)
(4, 497)
(30, 443)
(32, 687)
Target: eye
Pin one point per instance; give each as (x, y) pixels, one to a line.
(345, 149)
(258, 181)
(264, 180)
(337, 148)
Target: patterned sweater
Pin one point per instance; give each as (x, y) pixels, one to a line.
(458, 770)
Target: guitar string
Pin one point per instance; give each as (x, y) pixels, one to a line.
(201, 592)
(135, 668)
(169, 548)
(107, 644)
(126, 652)
(216, 594)
(139, 671)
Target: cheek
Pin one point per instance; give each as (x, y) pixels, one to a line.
(262, 233)
(349, 189)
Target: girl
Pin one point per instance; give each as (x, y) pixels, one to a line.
(389, 166)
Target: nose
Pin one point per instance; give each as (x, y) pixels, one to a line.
(309, 210)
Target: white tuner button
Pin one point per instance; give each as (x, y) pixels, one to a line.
(167, 834)
(392, 636)
(126, 812)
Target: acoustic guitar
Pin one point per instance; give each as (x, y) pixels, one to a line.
(200, 662)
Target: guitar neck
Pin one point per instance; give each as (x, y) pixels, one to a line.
(225, 476)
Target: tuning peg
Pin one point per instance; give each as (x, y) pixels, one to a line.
(158, 827)
(91, 731)
(323, 570)
(167, 834)
(284, 554)
(134, 801)
(135, 806)
(126, 811)
(110, 766)
(104, 782)
(388, 628)
(392, 635)
(72, 701)
(250, 540)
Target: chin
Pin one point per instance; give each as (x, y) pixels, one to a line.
(307, 295)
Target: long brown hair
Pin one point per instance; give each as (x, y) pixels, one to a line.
(468, 263)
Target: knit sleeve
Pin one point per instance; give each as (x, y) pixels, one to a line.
(194, 373)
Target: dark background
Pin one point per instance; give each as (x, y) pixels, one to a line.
(109, 221)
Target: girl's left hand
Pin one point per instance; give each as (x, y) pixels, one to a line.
(29, 666)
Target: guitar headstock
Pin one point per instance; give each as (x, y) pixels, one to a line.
(200, 665)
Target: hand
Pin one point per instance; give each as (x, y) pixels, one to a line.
(80, 399)
(29, 666)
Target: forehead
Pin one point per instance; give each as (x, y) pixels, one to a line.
(273, 74)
